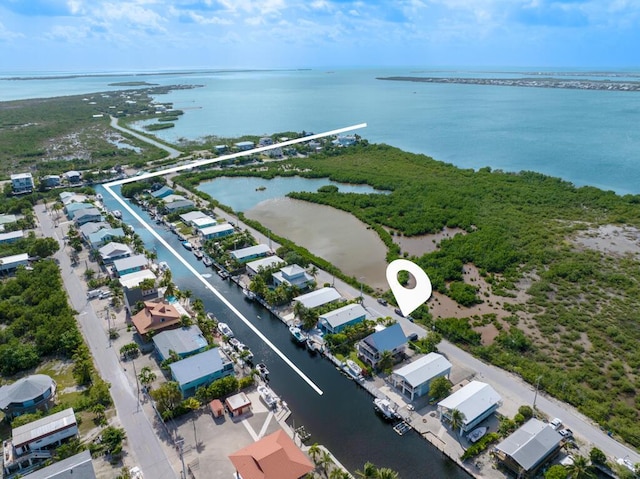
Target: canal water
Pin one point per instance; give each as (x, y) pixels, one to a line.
(342, 418)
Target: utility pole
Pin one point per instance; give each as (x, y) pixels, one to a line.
(536, 395)
(179, 444)
(135, 373)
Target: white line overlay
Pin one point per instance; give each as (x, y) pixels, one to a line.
(202, 279)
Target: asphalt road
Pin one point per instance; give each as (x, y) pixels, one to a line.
(173, 153)
(142, 440)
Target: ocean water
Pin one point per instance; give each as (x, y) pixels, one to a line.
(583, 136)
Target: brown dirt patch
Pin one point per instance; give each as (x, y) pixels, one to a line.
(610, 239)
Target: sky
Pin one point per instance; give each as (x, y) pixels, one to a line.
(107, 35)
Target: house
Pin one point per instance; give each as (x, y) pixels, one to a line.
(204, 222)
(292, 275)
(50, 181)
(22, 183)
(182, 341)
(265, 141)
(238, 404)
(89, 228)
(476, 401)
(11, 236)
(414, 379)
(172, 197)
(11, 263)
(178, 205)
(30, 444)
(275, 456)
(7, 219)
(318, 297)
(391, 338)
(103, 236)
(156, 316)
(133, 293)
(162, 192)
(188, 218)
(200, 370)
(244, 255)
(71, 208)
(253, 267)
(335, 321)
(73, 177)
(114, 251)
(215, 231)
(220, 149)
(79, 466)
(130, 264)
(87, 215)
(27, 395)
(529, 448)
(68, 197)
(244, 145)
(345, 140)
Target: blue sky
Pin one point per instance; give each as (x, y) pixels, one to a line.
(97, 35)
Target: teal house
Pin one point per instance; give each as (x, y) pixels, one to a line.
(200, 370)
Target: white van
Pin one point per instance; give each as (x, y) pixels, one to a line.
(94, 293)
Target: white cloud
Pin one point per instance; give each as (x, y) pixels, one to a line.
(7, 35)
(132, 14)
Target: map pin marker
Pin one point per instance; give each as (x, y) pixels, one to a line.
(408, 299)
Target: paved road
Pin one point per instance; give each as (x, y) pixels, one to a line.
(173, 153)
(142, 440)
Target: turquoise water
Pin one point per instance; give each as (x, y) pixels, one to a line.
(586, 137)
(242, 194)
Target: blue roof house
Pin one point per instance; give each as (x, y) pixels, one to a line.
(200, 370)
(162, 192)
(391, 338)
(335, 321)
(183, 341)
(104, 236)
(130, 264)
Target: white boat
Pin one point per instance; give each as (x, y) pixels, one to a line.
(225, 330)
(297, 334)
(385, 408)
(198, 254)
(476, 434)
(117, 213)
(235, 343)
(262, 371)
(187, 245)
(268, 396)
(164, 266)
(353, 366)
(245, 352)
(207, 261)
(248, 294)
(98, 197)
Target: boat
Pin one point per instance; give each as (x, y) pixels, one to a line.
(164, 266)
(268, 396)
(353, 366)
(223, 274)
(98, 197)
(248, 294)
(245, 352)
(198, 254)
(225, 330)
(117, 214)
(262, 371)
(207, 261)
(385, 408)
(187, 245)
(297, 334)
(312, 346)
(476, 434)
(235, 343)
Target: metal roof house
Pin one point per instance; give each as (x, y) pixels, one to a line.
(253, 267)
(335, 321)
(318, 297)
(391, 338)
(204, 221)
(113, 251)
(292, 275)
(11, 236)
(27, 395)
(414, 379)
(22, 183)
(103, 236)
(79, 466)
(86, 215)
(215, 231)
(244, 145)
(162, 192)
(251, 252)
(188, 218)
(131, 264)
(183, 341)
(529, 448)
(178, 205)
(200, 370)
(132, 291)
(11, 263)
(74, 206)
(275, 456)
(476, 401)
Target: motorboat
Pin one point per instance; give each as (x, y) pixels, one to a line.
(187, 245)
(164, 266)
(225, 330)
(198, 254)
(223, 274)
(476, 434)
(262, 371)
(235, 343)
(385, 408)
(354, 367)
(245, 352)
(117, 214)
(248, 294)
(268, 396)
(207, 261)
(297, 334)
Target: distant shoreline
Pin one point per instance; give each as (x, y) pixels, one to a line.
(573, 84)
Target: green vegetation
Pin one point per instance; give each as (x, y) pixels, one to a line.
(159, 126)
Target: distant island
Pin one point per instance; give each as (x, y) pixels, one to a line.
(133, 83)
(573, 84)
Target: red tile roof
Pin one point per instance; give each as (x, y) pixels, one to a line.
(155, 316)
(273, 457)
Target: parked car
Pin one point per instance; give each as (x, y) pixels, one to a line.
(398, 312)
(382, 301)
(105, 294)
(94, 293)
(555, 423)
(566, 433)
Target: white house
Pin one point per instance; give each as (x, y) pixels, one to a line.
(476, 401)
(335, 321)
(292, 275)
(215, 231)
(318, 297)
(414, 379)
(254, 267)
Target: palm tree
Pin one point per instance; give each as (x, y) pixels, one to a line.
(146, 376)
(580, 469)
(457, 419)
(325, 461)
(386, 473)
(314, 452)
(369, 471)
(386, 361)
(338, 473)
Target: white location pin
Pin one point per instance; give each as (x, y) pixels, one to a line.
(408, 299)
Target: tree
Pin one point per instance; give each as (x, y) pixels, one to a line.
(457, 419)
(167, 397)
(325, 461)
(369, 471)
(314, 452)
(387, 473)
(439, 388)
(597, 456)
(112, 438)
(146, 376)
(526, 411)
(385, 363)
(580, 469)
(556, 472)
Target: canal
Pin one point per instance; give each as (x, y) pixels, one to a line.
(342, 418)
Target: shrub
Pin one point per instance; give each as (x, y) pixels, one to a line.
(481, 445)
